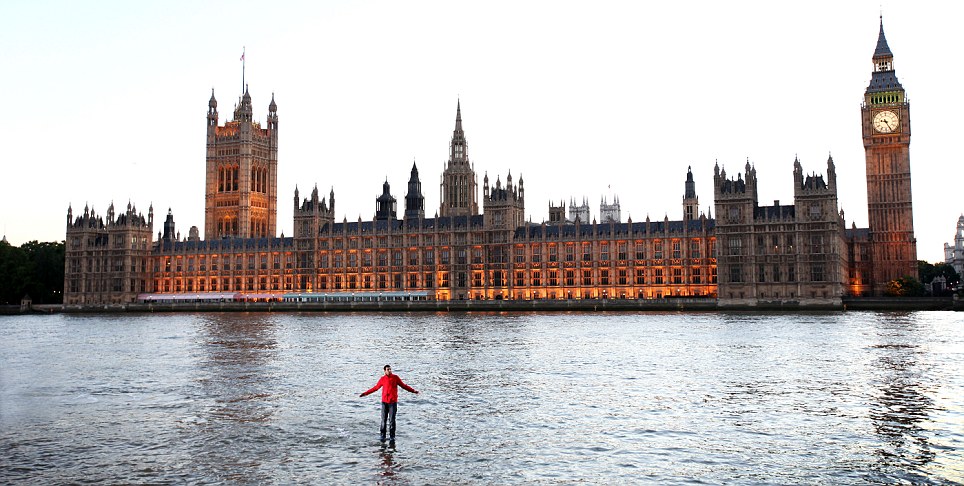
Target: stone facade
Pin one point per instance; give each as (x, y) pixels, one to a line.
(241, 176)
(885, 118)
(107, 261)
(784, 254)
(792, 253)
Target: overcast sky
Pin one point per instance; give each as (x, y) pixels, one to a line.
(106, 101)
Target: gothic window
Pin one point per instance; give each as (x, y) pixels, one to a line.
(413, 280)
(520, 255)
(677, 275)
(762, 274)
(677, 251)
(816, 272)
(519, 278)
(429, 255)
(477, 254)
(444, 257)
(536, 253)
(587, 252)
(570, 252)
(552, 253)
(695, 249)
(587, 277)
(604, 251)
(604, 277)
(736, 245)
(429, 280)
(776, 273)
(791, 274)
(623, 276)
(553, 278)
(570, 278)
(816, 244)
(640, 276)
(658, 250)
(695, 275)
(536, 278)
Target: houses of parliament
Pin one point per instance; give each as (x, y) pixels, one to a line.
(801, 253)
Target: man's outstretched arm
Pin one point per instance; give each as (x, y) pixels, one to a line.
(406, 387)
(372, 390)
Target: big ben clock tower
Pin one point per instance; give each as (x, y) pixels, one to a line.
(885, 116)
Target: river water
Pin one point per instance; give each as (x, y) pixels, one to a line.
(832, 398)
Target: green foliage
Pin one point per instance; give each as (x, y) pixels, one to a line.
(928, 272)
(906, 286)
(35, 269)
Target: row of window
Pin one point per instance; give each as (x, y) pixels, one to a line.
(399, 281)
(776, 273)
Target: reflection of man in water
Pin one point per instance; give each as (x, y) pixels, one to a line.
(389, 385)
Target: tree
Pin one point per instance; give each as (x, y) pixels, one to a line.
(34, 268)
(928, 272)
(906, 286)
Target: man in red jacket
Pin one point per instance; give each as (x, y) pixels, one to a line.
(389, 385)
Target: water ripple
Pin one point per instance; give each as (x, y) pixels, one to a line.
(673, 398)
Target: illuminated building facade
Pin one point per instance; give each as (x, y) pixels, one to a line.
(790, 254)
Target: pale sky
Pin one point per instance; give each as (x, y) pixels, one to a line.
(106, 101)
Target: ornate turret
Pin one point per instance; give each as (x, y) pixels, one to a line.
(169, 234)
(272, 114)
(385, 204)
(504, 207)
(414, 201)
(691, 202)
(212, 114)
(244, 111)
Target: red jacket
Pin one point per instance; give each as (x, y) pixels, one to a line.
(389, 385)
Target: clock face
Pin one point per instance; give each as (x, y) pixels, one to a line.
(886, 122)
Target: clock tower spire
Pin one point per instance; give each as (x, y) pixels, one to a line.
(885, 116)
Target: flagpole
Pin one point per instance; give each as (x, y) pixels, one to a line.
(242, 69)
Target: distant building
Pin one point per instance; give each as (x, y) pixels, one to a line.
(954, 255)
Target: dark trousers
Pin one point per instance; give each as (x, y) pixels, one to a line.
(388, 414)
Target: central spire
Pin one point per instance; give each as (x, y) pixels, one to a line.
(458, 189)
(458, 150)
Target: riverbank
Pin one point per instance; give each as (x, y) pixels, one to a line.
(587, 305)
